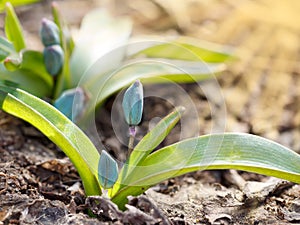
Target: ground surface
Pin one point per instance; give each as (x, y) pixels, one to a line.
(38, 185)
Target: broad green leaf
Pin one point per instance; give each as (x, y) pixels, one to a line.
(217, 151)
(156, 71)
(75, 144)
(33, 61)
(6, 49)
(15, 3)
(13, 29)
(27, 80)
(148, 143)
(183, 48)
(153, 138)
(100, 33)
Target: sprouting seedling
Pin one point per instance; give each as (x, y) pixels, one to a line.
(145, 168)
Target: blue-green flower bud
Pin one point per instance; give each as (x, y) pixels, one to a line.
(107, 170)
(71, 103)
(53, 59)
(49, 33)
(133, 103)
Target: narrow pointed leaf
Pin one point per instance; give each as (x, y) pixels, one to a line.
(183, 48)
(157, 71)
(16, 3)
(13, 29)
(27, 80)
(6, 49)
(33, 61)
(108, 34)
(64, 79)
(75, 144)
(217, 151)
(107, 170)
(65, 33)
(152, 139)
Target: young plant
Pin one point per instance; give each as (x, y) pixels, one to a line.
(90, 61)
(145, 168)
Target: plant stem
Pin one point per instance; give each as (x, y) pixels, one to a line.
(132, 133)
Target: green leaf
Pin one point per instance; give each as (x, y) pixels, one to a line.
(33, 61)
(6, 49)
(13, 29)
(15, 3)
(27, 80)
(64, 79)
(65, 33)
(100, 33)
(183, 48)
(75, 144)
(150, 71)
(148, 143)
(217, 151)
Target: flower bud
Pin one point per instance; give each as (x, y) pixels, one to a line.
(71, 103)
(107, 170)
(49, 33)
(53, 59)
(133, 103)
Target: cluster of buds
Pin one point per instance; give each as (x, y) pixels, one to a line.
(53, 52)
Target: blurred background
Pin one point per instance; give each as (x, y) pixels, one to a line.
(261, 88)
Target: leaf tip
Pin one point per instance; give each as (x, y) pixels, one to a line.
(8, 5)
(54, 4)
(180, 109)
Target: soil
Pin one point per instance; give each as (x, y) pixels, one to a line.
(39, 185)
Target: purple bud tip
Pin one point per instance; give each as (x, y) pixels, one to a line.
(132, 131)
(54, 5)
(180, 109)
(8, 4)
